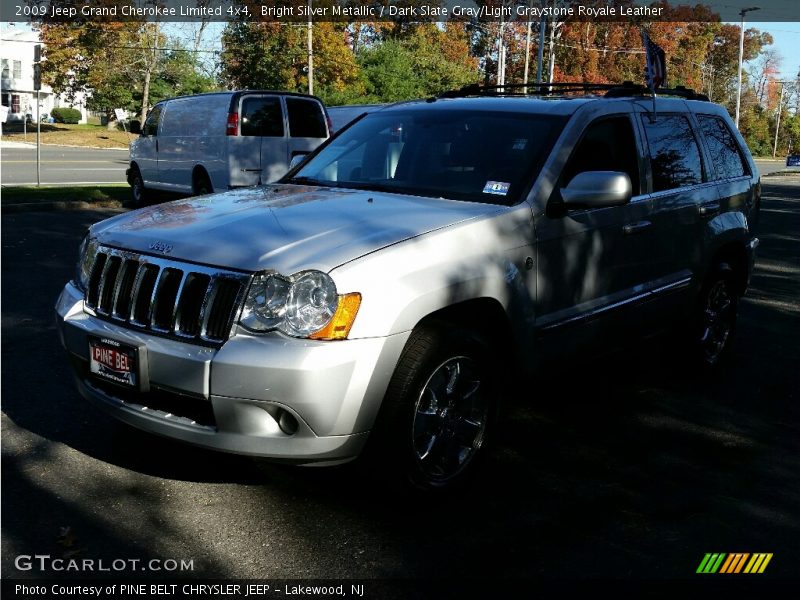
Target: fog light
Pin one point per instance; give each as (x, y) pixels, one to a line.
(287, 423)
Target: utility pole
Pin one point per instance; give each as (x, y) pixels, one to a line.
(742, 13)
(37, 86)
(778, 123)
(501, 55)
(540, 57)
(310, 53)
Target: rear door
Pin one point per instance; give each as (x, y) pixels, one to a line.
(683, 199)
(259, 153)
(308, 126)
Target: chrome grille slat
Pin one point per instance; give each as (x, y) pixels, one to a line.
(108, 282)
(165, 297)
(124, 293)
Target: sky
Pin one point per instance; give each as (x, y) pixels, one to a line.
(786, 40)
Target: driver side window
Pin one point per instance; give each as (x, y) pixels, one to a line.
(151, 123)
(608, 144)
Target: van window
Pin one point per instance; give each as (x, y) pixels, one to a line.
(674, 153)
(725, 153)
(262, 116)
(607, 145)
(151, 123)
(195, 116)
(305, 118)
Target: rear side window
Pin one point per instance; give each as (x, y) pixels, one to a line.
(305, 118)
(674, 153)
(262, 116)
(724, 150)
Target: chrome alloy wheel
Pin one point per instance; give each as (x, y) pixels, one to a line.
(718, 321)
(450, 419)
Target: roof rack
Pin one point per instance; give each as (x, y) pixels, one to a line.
(612, 90)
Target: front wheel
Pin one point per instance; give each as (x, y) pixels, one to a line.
(202, 185)
(440, 408)
(138, 191)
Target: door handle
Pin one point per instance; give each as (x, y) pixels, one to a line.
(709, 208)
(636, 227)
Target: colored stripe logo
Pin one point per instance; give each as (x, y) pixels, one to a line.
(737, 562)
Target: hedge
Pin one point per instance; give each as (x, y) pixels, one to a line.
(66, 115)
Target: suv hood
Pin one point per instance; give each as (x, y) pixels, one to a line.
(282, 227)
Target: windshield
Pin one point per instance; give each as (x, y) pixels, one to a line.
(478, 156)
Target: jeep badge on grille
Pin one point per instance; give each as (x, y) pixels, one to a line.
(161, 247)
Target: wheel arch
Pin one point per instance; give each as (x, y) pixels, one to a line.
(199, 171)
(734, 254)
(485, 316)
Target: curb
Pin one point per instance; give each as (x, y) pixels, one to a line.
(33, 145)
(784, 173)
(54, 206)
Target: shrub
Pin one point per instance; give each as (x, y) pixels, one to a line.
(70, 116)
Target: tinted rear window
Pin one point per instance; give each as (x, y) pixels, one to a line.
(674, 153)
(306, 118)
(262, 116)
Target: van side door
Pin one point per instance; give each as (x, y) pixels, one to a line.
(259, 152)
(144, 152)
(308, 126)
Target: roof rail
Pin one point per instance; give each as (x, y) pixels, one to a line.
(612, 90)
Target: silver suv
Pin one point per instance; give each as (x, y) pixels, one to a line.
(389, 290)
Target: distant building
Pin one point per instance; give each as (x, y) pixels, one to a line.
(16, 83)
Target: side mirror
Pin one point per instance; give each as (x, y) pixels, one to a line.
(596, 189)
(135, 127)
(297, 159)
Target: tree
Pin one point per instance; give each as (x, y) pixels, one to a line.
(91, 57)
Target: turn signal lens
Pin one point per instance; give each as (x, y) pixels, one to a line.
(342, 321)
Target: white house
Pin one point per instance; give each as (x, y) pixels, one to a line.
(16, 83)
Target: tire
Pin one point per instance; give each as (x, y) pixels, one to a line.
(439, 409)
(139, 193)
(201, 185)
(714, 321)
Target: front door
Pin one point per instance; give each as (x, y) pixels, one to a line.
(145, 150)
(594, 264)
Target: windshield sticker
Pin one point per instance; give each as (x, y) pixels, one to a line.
(519, 144)
(499, 188)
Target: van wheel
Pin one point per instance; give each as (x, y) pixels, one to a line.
(439, 409)
(139, 193)
(714, 323)
(202, 185)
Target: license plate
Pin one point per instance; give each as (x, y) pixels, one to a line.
(112, 361)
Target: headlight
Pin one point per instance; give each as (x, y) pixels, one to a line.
(303, 305)
(85, 261)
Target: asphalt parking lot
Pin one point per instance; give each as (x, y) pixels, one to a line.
(629, 469)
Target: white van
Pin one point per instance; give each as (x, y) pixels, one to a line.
(199, 144)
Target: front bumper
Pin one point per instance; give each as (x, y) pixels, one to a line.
(288, 399)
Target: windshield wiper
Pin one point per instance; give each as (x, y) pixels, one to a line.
(312, 181)
(372, 187)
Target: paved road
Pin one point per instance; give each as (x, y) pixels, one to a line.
(768, 165)
(63, 164)
(631, 469)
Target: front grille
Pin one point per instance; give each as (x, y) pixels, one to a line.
(164, 297)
